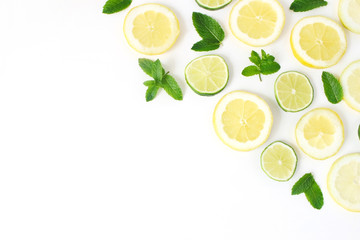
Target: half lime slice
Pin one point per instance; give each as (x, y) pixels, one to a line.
(213, 4)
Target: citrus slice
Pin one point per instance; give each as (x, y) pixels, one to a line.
(318, 42)
(320, 133)
(350, 81)
(349, 14)
(257, 22)
(151, 28)
(278, 161)
(207, 75)
(343, 182)
(242, 120)
(213, 4)
(293, 91)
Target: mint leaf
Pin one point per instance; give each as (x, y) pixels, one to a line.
(209, 30)
(306, 5)
(157, 71)
(113, 6)
(359, 132)
(151, 92)
(250, 71)
(147, 66)
(303, 184)
(263, 65)
(255, 58)
(149, 83)
(332, 87)
(171, 87)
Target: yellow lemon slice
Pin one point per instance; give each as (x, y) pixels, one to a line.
(349, 14)
(257, 22)
(151, 28)
(343, 182)
(242, 120)
(350, 81)
(320, 133)
(318, 42)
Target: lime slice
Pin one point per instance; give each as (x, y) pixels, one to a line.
(278, 161)
(213, 4)
(207, 75)
(293, 91)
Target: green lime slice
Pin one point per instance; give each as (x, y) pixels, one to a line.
(293, 91)
(278, 161)
(213, 4)
(207, 75)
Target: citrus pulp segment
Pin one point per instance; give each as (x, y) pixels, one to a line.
(320, 133)
(257, 22)
(278, 161)
(318, 42)
(242, 120)
(343, 182)
(350, 81)
(151, 28)
(213, 4)
(207, 75)
(349, 14)
(293, 91)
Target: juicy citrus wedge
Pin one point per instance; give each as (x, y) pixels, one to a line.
(151, 28)
(213, 4)
(349, 14)
(207, 75)
(257, 22)
(343, 182)
(293, 91)
(278, 161)
(318, 42)
(320, 133)
(242, 120)
(350, 81)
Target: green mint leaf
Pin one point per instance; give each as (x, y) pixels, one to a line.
(269, 67)
(250, 71)
(315, 196)
(151, 92)
(306, 5)
(303, 184)
(205, 45)
(113, 6)
(147, 66)
(157, 71)
(149, 83)
(359, 132)
(171, 87)
(255, 58)
(209, 30)
(332, 88)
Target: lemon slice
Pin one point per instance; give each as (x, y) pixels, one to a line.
(242, 120)
(343, 182)
(278, 161)
(349, 14)
(151, 28)
(257, 22)
(293, 91)
(318, 42)
(320, 133)
(207, 75)
(213, 4)
(350, 81)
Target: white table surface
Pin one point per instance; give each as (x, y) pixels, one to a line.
(83, 156)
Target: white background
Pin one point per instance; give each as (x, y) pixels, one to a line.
(83, 156)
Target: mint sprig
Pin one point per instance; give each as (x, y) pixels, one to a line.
(332, 88)
(160, 80)
(209, 30)
(308, 185)
(306, 5)
(114, 6)
(263, 65)
(359, 132)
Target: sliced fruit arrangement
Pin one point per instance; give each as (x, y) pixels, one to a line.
(349, 14)
(350, 81)
(257, 22)
(213, 4)
(293, 91)
(343, 182)
(320, 133)
(207, 75)
(242, 120)
(279, 161)
(318, 42)
(151, 28)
